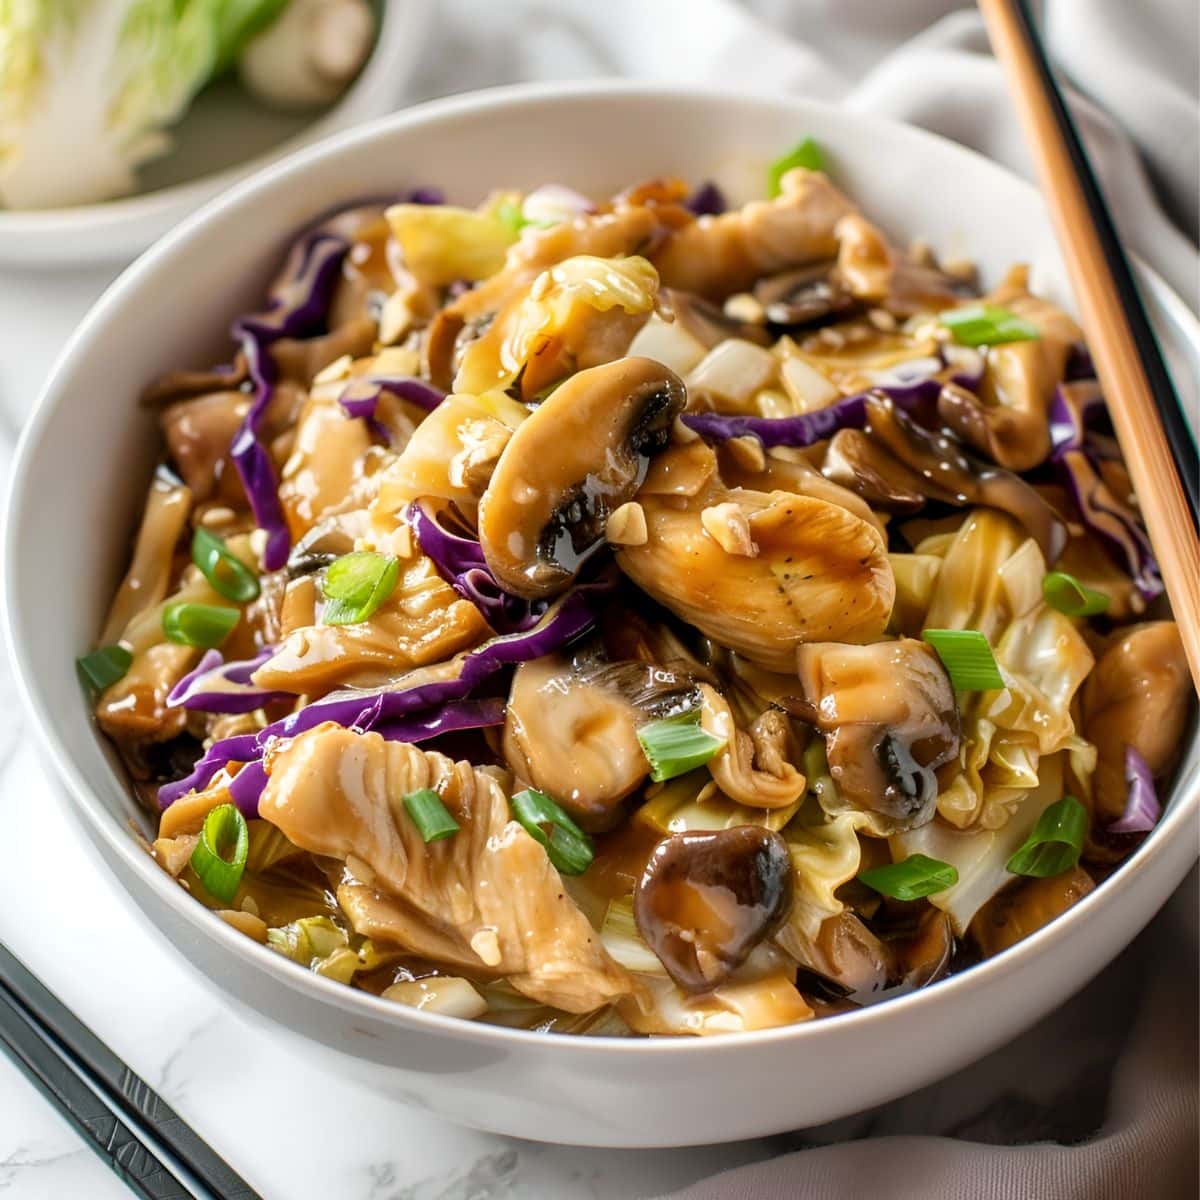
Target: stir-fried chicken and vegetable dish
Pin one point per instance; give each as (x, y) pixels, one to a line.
(640, 616)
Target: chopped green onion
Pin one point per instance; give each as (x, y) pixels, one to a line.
(356, 585)
(910, 879)
(1055, 843)
(223, 569)
(511, 217)
(203, 625)
(568, 847)
(224, 830)
(806, 154)
(102, 668)
(987, 325)
(1068, 595)
(431, 817)
(967, 657)
(675, 745)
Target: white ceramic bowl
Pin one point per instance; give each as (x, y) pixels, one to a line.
(225, 136)
(78, 485)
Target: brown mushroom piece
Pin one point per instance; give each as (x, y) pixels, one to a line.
(1008, 419)
(889, 718)
(709, 324)
(855, 461)
(706, 899)
(923, 956)
(571, 731)
(804, 297)
(581, 455)
(1137, 695)
(1024, 907)
(949, 474)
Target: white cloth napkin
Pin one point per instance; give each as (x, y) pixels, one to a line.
(1099, 1100)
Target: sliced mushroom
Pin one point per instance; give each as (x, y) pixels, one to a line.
(923, 956)
(820, 573)
(574, 738)
(708, 323)
(578, 457)
(750, 769)
(199, 432)
(808, 296)
(1007, 420)
(707, 899)
(889, 718)
(1137, 695)
(950, 475)
(1025, 906)
(855, 461)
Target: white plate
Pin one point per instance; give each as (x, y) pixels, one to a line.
(225, 136)
(78, 486)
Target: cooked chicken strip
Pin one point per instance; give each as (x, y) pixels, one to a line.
(488, 897)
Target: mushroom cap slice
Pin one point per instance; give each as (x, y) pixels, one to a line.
(819, 573)
(706, 899)
(889, 717)
(574, 739)
(582, 454)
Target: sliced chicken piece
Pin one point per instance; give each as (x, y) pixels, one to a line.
(814, 571)
(424, 620)
(487, 898)
(715, 257)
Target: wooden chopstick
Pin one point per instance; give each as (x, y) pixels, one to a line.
(118, 1114)
(1145, 411)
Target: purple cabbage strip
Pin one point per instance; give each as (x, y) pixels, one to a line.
(1142, 808)
(241, 748)
(424, 195)
(246, 787)
(811, 427)
(707, 200)
(195, 691)
(299, 306)
(389, 707)
(1114, 523)
(360, 397)
(460, 561)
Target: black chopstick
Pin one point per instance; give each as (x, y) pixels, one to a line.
(1170, 411)
(95, 1089)
(118, 1145)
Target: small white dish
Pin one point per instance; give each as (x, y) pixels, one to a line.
(78, 484)
(224, 136)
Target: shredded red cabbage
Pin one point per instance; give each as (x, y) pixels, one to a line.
(299, 306)
(811, 427)
(201, 688)
(460, 561)
(360, 397)
(1142, 808)
(1076, 452)
(427, 692)
(707, 200)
